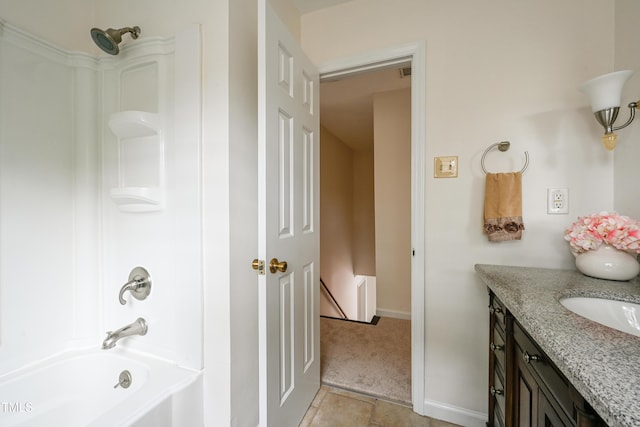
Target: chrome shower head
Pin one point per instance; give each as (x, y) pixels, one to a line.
(110, 39)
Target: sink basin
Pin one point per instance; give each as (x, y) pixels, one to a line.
(623, 316)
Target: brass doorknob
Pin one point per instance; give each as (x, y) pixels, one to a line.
(275, 265)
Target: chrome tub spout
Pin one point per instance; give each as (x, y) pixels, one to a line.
(139, 327)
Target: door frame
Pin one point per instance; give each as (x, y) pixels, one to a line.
(414, 53)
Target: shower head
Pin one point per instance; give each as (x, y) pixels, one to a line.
(110, 39)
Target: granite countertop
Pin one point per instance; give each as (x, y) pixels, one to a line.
(603, 364)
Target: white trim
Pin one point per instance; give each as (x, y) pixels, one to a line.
(394, 314)
(414, 52)
(25, 40)
(454, 414)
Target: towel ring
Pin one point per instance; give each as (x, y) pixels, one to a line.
(504, 146)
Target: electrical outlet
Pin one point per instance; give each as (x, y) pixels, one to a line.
(557, 201)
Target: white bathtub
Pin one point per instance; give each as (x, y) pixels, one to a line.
(77, 389)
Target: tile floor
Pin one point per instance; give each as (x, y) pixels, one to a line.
(333, 407)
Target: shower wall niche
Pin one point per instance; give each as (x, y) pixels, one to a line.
(136, 89)
(140, 161)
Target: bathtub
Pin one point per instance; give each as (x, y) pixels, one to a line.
(75, 389)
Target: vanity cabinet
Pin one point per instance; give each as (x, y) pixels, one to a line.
(539, 404)
(525, 387)
(501, 324)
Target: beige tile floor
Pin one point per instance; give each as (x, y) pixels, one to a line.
(334, 407)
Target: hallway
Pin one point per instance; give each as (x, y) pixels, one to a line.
(373, 359)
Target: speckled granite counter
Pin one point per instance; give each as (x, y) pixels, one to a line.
(602, 363)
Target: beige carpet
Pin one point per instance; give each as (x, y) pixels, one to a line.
(370, 359)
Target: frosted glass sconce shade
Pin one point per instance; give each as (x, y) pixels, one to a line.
(606, 91)
(605, 94)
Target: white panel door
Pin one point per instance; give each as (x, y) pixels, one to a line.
(288, 224)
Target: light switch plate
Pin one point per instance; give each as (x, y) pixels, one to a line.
(445, 167)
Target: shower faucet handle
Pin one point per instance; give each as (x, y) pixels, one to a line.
(124, 380)
(139, 285)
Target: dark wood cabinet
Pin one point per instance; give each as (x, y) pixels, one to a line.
(537, 404)
(525, 388)
(499, 349)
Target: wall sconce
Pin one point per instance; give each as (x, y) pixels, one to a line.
(605, 93)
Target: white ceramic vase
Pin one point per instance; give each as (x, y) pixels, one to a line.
(609, 263)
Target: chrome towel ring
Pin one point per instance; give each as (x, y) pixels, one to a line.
(504, 146)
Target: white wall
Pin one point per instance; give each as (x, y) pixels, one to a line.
(243, 158)
(230, 388)
(392, 160)
(69, 29)
(48, 277)
(496, 70)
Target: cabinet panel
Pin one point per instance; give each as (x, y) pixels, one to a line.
(499, 311)
(497, 374)
(524, 397)
(540, 364)
(498, 347)
(547, 416)
(498, 392)
(498, 418)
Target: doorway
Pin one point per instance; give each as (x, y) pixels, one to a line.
(412, 54)
(365, 165)
(365, 232)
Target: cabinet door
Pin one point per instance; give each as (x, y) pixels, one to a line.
(526, 395)
(547, 416)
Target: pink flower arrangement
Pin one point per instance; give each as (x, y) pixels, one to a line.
(604, 228)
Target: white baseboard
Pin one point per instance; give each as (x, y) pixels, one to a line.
(393, 314)
(454, 414)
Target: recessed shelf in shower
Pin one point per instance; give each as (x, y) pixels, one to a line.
(140, 161)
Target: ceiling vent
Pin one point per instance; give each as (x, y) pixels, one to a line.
(405, 72)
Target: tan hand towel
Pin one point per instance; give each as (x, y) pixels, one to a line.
(503, 206)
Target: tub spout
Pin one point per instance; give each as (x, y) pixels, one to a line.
(139, 327)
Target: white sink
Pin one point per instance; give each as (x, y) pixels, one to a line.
(623, 316)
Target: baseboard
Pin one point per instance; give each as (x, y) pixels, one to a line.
(454, 414)
(393, 314)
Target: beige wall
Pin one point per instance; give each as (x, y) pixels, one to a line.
(392, 153)
(347, 227)
(364, 227)
(495, 70)
(336, 224)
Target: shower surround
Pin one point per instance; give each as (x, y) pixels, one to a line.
(67, 239)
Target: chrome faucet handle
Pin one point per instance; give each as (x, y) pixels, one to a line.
(124, 380)
(139, 285)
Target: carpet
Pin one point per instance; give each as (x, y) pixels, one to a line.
(366, 358)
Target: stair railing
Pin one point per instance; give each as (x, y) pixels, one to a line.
(335, 302)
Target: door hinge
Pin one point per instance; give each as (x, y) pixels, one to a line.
(258, 264)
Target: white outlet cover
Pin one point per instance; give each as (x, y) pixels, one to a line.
(558, 201)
